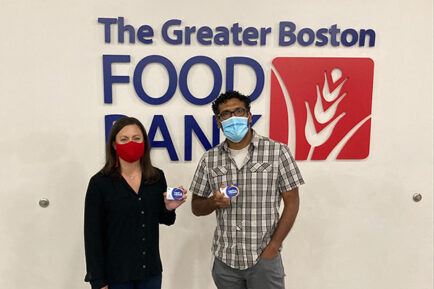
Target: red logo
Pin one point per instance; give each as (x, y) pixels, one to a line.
(321, 107)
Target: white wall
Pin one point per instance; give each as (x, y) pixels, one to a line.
(357, 227)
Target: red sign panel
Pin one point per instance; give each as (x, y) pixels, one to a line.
(321, 107)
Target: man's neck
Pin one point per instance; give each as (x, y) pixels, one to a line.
(243, 143)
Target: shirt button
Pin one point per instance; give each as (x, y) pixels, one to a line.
(238, 228)
(140, 199)
(142, 212)
(143, 253)
(143, 239)
(143, 225)
(144, 266)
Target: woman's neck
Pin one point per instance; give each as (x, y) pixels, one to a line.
(130, 168)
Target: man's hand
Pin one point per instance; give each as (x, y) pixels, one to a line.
(291, 203)
(202, 206)
(221, 201)
(270, 251)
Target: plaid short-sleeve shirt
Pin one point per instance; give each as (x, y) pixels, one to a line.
(245, 228)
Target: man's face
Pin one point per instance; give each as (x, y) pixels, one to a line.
(232, 107)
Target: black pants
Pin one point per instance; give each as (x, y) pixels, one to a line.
(151, 283)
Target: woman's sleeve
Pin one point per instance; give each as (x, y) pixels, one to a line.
(166, 217)
(94, 236)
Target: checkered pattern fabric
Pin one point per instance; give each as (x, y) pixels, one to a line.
(245, 228)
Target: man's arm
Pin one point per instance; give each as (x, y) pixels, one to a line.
(291, 203)
(202, 206)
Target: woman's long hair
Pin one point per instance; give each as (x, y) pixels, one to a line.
(148, 171)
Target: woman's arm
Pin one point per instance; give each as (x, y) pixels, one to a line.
(166, 217)
(94, 236)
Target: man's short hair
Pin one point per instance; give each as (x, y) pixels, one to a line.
(222, 98)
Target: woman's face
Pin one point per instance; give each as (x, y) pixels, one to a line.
(129, 133)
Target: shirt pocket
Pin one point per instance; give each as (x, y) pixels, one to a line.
(260, 168)
(261, 178)
(218, 176)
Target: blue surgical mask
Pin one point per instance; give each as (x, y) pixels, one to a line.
(235, 128)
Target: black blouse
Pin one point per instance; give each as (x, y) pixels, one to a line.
(121, 229)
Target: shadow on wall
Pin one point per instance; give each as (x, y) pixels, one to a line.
(186, 251)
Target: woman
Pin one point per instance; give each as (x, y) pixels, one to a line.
(125, 203)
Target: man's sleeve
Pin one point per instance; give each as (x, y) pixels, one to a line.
(289, 176)
(200, 185)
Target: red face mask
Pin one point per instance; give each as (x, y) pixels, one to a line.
(131, 151)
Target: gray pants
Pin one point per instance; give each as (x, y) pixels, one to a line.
(266, 274)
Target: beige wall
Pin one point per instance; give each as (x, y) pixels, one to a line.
(357, 227)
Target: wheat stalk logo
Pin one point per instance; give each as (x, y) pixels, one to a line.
(316, 139)
(313, 137)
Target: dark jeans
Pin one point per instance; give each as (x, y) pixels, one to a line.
(151, 283)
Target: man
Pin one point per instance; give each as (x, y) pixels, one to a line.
(249, 232)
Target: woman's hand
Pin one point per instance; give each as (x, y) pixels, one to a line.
(173, 204)
(105, 287)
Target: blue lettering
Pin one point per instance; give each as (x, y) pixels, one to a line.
(236, 30)
(143, 32)
(124, 28)
(188, 31)
(159, 123)
(230, 64)
(137, 79)
(255, 118)
(333, 34)
(215, 132)
(310, 36)
(354, 37)
(109, 79)
(107, 22)
(286, 29)
(178, 34)
(250, 36)
(264, 32)
(320, 34)
(370, 33)
(184, 74)
(190, 126)
(221, 38)
(173, 33)
(204, 34)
